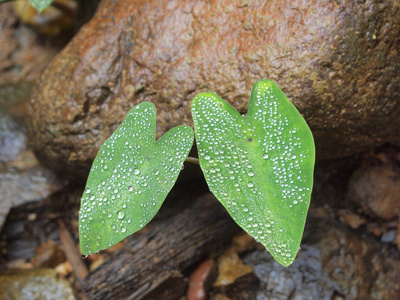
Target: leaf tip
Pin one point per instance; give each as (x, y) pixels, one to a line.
(264, 84)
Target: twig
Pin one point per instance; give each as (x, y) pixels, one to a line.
(72, 253)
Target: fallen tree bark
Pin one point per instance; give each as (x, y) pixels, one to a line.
(149, 261)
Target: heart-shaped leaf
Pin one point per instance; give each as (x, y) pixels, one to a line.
(130, 178)
(259, 166)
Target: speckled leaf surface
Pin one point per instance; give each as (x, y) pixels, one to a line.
(259, 166)
(40, 5)
(130, 178)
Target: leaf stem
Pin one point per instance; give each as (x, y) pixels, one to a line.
(192, 160)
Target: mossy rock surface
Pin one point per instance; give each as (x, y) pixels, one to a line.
(338, 64)
(34, 284)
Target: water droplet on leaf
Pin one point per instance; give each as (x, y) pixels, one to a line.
(120, 215)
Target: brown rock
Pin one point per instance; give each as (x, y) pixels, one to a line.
(338, 63)
(376, 189)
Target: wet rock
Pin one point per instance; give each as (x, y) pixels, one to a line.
(29, 182)
(22, 177)
(333, 262)
(34, 284)
(12, 138)
(337, 62)
(376, 189)
(302, 280)
(389, 236)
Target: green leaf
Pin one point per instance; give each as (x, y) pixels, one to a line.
(41, 5)
(130, 178)
(259, 166)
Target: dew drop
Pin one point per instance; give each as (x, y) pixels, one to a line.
(120, 215)
(123, 229)
(250, 184)
(265, 156)
(130, 188)
(136, 172)
(207, 157)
